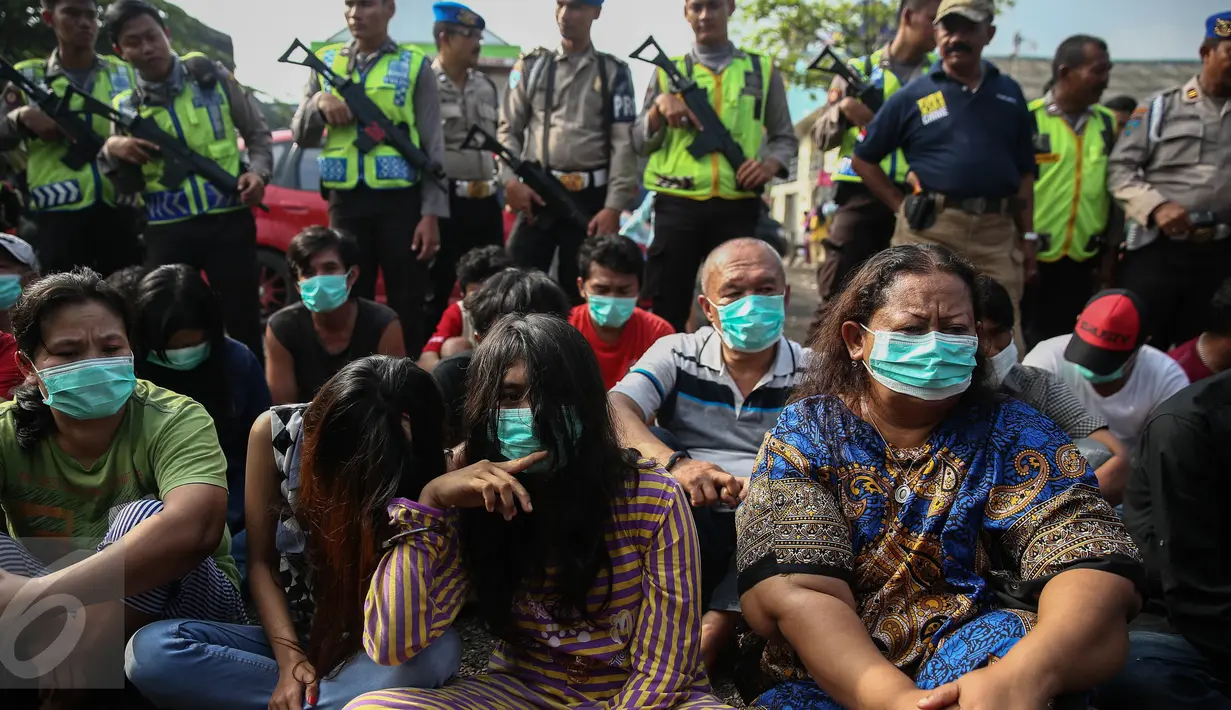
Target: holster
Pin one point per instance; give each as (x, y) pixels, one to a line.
(920, 211)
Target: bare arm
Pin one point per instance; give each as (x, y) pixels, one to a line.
(279, 370)
(632, 430)
(830, 126)
(1113, 475)
(878, 182)
(261, 521)
(392, 343)
(1024, 217)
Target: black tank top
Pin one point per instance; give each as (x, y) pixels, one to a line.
(292, 326)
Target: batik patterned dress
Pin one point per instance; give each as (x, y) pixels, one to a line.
(946, 547)
(643, 651)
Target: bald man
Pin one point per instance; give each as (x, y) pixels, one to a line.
(715, 393)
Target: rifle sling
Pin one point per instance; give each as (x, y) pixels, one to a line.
(608, 107)
(548, 105)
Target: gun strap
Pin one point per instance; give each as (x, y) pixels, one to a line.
(548, 101)
(608, 108)
(758, 106)
(689, 65)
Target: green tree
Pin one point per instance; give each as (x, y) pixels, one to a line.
(794, 30)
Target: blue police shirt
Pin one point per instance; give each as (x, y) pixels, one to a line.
(959, 142)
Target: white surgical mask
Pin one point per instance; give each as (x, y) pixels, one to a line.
(1002, 362)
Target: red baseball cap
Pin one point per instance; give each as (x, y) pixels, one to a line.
(1109, 330)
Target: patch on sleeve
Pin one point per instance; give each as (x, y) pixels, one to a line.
(1135, 121)
(623, 103)
(514, 77)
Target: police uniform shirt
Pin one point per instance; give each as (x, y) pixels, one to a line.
(13, 102)
(577, 140)
(308, 125)
(781, 144)
(961, 142)
(476, 102)
(245, 114)
(1184, 156)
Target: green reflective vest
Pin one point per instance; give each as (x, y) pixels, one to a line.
(1071, 201)
(895, 165)
(738, 95)
(200, 118)
(390, 83)
(53, 186)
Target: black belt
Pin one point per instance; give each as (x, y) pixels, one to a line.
(978, 205)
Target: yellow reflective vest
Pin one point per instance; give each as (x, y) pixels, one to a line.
(1071, 201)
(390, 83)
(53, 186)
(739, 95)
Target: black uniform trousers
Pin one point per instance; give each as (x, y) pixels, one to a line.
(685, 232)
(1175, 280)
(384, 223)
(861, 228)
(224, 247)
(472, 223)
(102, 237)
(1056, 296)
(532, 246)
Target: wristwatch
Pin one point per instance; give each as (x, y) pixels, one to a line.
(265, 177)
(675, 458)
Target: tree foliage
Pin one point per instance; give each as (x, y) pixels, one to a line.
(793, 31)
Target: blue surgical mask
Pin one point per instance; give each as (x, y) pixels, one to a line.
(1096, 379)
(932, 366)
(610, 311)
(182, 359)
(89, 389)
(517, 438)
(321, 294)
(10, 290)
(753, 323)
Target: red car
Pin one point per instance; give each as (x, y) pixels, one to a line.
(295, 202)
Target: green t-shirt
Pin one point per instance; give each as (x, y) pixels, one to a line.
(165, 441)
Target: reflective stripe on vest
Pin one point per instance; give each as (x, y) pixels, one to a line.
(390, 83)
(53, 186)
(895, 164)
(740, 105)
(1071, 202)
(202, 120)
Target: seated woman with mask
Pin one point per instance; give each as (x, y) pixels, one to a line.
(912, 540)
(582, 556)
(181, 345)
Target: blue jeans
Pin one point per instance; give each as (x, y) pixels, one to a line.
(1163, 672)
(201, 665)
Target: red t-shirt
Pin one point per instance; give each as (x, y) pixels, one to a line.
(450, 326)
(641, 331)
(10, 376)
(1190, 360)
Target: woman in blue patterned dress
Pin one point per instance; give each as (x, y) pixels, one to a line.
(912, 540)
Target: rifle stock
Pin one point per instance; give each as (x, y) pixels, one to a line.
(374, 126)
(560, 202)
(828, 61)
(84, 142)
(178, 160)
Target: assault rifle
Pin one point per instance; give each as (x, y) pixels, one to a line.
(374, 126)
(828, 62)
(713, 137)
(560, 202)
(178, 160)
(84, 142)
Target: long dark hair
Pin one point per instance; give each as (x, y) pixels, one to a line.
(572, 502)
(173, 298)
(40, 301)
(831, 371)
(356, 458)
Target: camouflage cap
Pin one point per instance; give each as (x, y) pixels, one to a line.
(973, 10)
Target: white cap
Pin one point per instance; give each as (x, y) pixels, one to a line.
(20, 249)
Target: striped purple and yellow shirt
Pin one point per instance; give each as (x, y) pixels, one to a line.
(642, 652)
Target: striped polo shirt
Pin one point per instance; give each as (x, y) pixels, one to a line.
(683, 380)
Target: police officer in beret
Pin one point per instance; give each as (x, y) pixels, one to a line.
(467, 97)
(584, 135)
(1171, 171)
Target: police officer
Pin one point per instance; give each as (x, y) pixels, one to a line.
(1171, 170)
(863, 225)
(1071, 204)
(379, 198)
(975, 194)
(704, 202)
(199, 102)
(584, 136)
(79, 218)
(467, 97)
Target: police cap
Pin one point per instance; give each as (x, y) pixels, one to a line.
(456, 13)
(1218, 26)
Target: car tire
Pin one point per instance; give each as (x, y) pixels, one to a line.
(274, 280)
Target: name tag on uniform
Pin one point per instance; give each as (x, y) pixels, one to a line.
(1046, 158)
(932, 107)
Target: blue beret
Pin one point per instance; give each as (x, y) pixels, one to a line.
(1219, 26)
(457, 14)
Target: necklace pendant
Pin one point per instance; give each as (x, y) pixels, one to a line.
(902, 493)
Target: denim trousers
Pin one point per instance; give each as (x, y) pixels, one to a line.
(1163, 672)
(201, 665)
